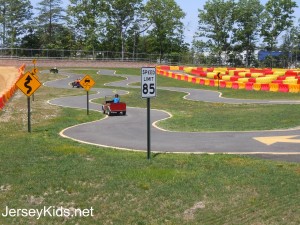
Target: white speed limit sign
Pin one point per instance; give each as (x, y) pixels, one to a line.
(148, 83)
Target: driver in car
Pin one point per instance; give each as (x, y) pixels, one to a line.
(115, 100)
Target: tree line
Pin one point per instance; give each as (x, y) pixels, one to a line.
(234, 27)
(227, 27)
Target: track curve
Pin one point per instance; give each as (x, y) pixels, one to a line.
(131, 132)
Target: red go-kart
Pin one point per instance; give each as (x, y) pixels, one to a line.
(109, 107)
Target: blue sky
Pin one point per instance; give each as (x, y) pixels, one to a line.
(190, 7)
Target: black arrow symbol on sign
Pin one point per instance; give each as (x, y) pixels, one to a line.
(28, 79)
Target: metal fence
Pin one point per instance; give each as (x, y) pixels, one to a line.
(93, 55)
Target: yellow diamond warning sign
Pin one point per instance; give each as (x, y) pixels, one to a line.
(87, 82)
(34, 71)
(28, 84)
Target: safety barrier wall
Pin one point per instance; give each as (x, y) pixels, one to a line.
(274, 87)
(266, 79)
(11, 90)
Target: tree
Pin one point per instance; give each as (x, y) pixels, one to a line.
(50, 16)
(122, 15)
(247, 18)
(31, 40)
(14, 15)
(166, 26)
(290, 46)
(216, 24)
(277, 18)
(86, 18)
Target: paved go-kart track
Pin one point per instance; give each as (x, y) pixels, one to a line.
(129, 132)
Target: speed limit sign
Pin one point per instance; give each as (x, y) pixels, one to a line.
(148, 83)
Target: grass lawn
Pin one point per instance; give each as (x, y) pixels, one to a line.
(41, 169)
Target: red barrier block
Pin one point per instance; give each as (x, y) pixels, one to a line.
(202, 81)
(236, 73)
(283, 88)
(277, 81)
(235, 85)
(212, 83)
(265, 87)
(194, 80)
(234, 78)
(210, 69)
(281, 78)
(181, 68)
(249, 86)
(1, 103)
(268, 72)
(252, 80)
(203, 74)
(195, 72)
(291, 73)
(222, 84)
(165, 67)
(199, 68)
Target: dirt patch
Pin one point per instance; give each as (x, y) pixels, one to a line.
(189, 213)
(8, 76)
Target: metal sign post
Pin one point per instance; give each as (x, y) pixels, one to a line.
(218, 75)
(34, 62)
(28, 84)
(29, 114)
(148, 87)
(87, 83)
(148, 130)
(87, 103)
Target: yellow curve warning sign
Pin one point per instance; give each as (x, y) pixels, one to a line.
(28, 84)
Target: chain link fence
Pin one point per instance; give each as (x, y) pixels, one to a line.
(94, 55)
(232, 59)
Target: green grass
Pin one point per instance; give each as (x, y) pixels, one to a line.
(43, 169)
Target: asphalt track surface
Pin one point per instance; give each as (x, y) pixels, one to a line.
(130, 133)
